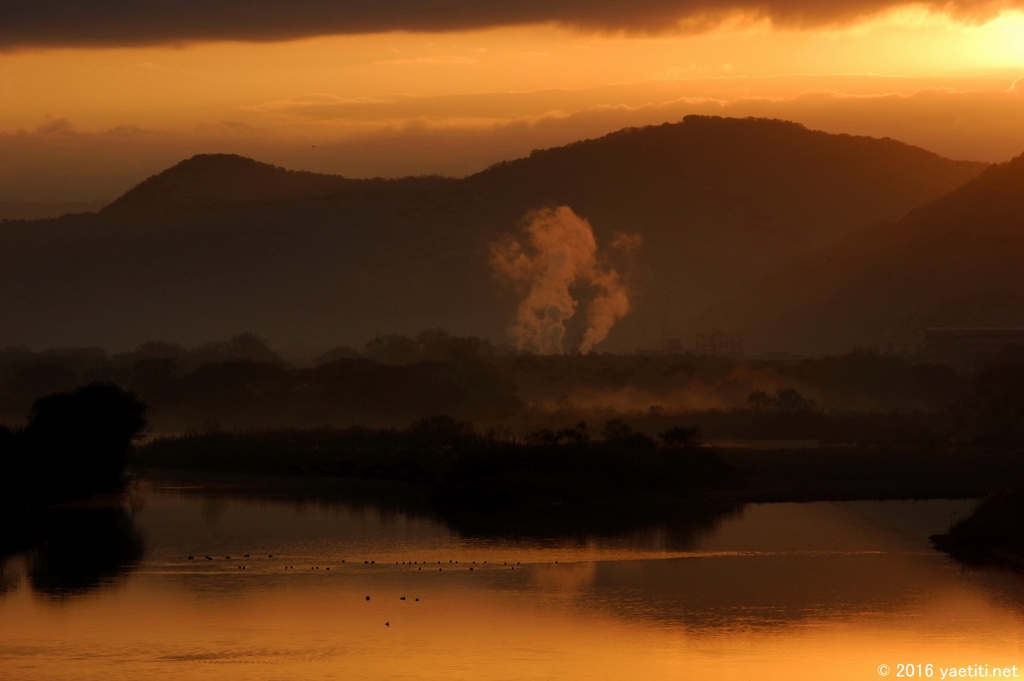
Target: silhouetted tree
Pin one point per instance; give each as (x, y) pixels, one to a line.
(75, 444)
(334, 354)
(759, 400)
(619, 433)
(577, 435)
(243, 347)
(681, 437)
(393, 349)
(790, 400)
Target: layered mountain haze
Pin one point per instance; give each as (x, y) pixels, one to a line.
(221, 244)
(955, 262)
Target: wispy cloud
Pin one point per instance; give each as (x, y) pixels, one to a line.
(461, 134)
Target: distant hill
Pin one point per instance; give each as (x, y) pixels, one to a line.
(221, 244)
(30, 210)
(217, 181)
(957, 261)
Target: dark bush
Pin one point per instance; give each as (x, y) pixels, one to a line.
(75, 444)
(995, 530)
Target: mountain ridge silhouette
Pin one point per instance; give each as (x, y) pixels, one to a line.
(220, 244)
(953, 262)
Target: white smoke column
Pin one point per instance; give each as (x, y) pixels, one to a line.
(553, 248)
(556, 250)
(608, 307)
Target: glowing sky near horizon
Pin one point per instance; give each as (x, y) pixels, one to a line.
(87, 122)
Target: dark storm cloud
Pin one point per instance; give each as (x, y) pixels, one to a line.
(39, 23)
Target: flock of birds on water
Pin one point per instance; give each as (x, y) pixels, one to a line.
(420, 565)
(368, 562)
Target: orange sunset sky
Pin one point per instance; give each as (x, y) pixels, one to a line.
(96, 96)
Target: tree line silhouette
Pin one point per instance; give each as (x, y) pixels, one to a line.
(861, 397)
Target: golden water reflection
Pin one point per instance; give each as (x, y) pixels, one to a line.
(777, 591)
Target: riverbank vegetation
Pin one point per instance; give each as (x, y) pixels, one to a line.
(994, 532)
(470, 420)
(465, 468)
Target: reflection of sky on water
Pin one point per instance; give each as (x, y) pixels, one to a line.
(822, 590)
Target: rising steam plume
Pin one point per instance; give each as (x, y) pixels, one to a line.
(555, 253)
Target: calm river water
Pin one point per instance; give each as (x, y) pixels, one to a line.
(773, 591)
